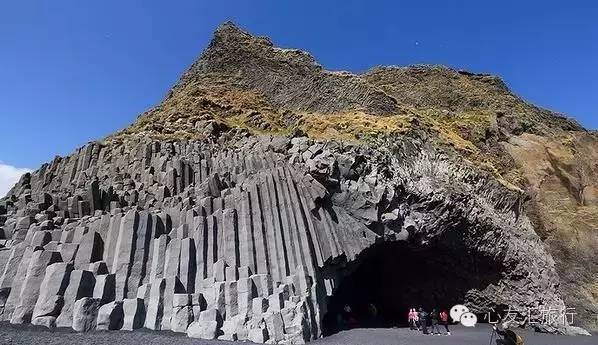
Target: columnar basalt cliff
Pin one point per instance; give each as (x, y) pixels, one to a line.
(237, 207)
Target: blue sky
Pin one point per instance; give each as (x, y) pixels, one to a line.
(74, 71)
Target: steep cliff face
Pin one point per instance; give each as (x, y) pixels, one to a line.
(562, 176)
(238, 206)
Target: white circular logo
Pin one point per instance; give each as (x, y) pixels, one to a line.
(457, 311)
(469, 319)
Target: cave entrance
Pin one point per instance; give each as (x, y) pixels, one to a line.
(397, 276)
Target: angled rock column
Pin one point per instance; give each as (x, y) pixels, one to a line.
(124, 253)
(81, 284)
(31, 285)
(50, 300)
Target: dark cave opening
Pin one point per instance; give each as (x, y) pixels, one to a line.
(397, 276)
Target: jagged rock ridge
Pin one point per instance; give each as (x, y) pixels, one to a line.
(214, 215)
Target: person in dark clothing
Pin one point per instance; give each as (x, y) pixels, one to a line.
(423, 320)
(434, 321)
(348, 319)
(373, 318)
(509, 337)
(343, 318)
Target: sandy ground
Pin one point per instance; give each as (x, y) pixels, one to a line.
(479, 335)
(31, 335)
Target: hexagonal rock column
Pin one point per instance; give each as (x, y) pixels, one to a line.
(14, 292)
(50, 301)
(173, 286)
(40, 260)
(81, 284)
(105, 287)
(110, 316)
(155, 308)
(90, 250)
(134, 313)
(182, 312)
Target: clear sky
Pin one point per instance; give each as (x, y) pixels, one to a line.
(72, 71)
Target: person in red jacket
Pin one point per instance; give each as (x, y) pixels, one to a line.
(444, 321)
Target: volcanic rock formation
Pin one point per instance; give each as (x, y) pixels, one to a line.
(244, 206)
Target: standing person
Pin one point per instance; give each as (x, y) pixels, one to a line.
(416, 325)
(444, 320)
(345, 318)
(412, 319)
(349, 319)
(434, 321)
(423, 320)
(373, 315)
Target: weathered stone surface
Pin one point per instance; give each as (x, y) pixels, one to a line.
(81, 284)
(105, 287)
(187, 269)
(182, 316)
(140, 252)
(50, 300)
(144, 293)
(85, 314)
(173, 286)
(11, 295)
(30, 291)
(10, 270)
(123, 254)
(98, 268)
(110, 316)
(258, 335)
(48, 312)
(219, 270)
(260, 305)
(263, 284)
(134, 314)
(45, 321)
(207, 327)
(235, 328)
(158, 258)
(68, 251)
(41, 238)
(275, 326)
(90, 250)
(231, 299)
(155, 309)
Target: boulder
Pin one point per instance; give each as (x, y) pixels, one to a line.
(258, 335)
(207, 327)
(85, 314)
(110, 316)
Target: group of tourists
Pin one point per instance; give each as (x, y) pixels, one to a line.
(428, 323)
(434, 322)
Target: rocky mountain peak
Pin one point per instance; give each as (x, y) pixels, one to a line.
(239, 73)
(288, 78)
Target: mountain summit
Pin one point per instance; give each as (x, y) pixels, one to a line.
(264, 193)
